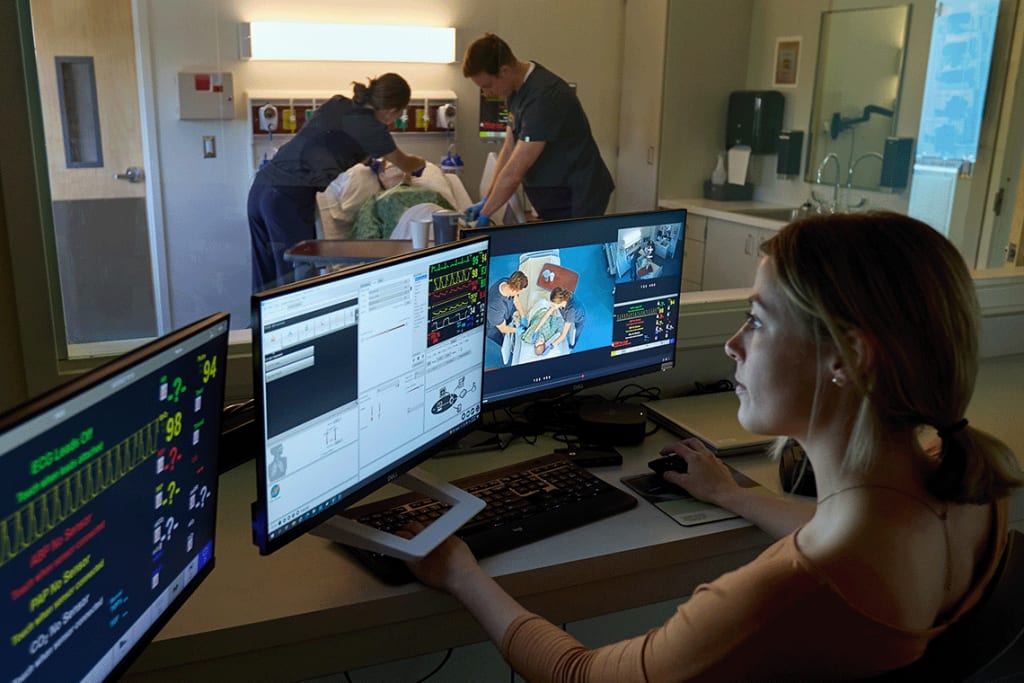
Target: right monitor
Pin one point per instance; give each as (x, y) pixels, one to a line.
(581, 301)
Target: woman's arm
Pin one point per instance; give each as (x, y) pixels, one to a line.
(452, 567)
(708, 479)
(410, 163)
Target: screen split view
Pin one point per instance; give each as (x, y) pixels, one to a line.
(108, 484)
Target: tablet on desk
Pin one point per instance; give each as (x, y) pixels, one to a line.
(711, 418)
(680, 505)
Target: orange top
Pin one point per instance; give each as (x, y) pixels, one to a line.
(776, 617)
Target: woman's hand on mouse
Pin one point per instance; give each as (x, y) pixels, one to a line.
(706, 477)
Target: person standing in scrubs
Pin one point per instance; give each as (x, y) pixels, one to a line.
(548, 147)
(342, 133)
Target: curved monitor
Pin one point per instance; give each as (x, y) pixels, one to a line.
(623, 274)
(360, 375)
(108, 506)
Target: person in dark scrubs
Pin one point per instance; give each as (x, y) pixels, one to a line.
(343, 132)
(573, 313)
(548, 147)
(503, 304)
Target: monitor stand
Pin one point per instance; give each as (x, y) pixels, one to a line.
(464, 507)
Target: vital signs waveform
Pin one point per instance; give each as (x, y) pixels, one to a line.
(51, 506)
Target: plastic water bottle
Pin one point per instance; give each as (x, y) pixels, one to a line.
(718, 175)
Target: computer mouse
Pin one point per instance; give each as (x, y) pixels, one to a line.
(667, 463)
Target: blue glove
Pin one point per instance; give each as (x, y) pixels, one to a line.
(483, 221)
(547, 349)
(417, 174)
(524, 324)
(473, 212)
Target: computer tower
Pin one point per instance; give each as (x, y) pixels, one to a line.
(755, 119)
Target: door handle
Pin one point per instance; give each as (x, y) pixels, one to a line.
(133, 174)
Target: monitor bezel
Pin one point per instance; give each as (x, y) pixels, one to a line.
(548, 392)
(260, 537)
(65, 392)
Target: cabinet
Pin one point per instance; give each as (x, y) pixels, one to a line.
(732, 252)
(693, 253)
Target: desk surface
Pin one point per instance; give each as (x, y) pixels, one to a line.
(309, 610)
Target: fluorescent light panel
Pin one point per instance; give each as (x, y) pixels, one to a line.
(351, 42)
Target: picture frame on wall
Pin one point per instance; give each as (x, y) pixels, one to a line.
(787, 62)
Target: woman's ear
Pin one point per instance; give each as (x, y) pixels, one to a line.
(862, 351)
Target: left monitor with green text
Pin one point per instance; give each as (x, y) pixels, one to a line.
(108, 492)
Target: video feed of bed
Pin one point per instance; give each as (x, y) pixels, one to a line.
(581, 300)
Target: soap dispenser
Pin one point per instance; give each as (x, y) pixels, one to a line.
(718, 175)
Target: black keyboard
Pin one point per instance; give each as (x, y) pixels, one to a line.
(526, 502)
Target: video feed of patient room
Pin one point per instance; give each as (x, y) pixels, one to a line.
(583, 270)
(645, 253)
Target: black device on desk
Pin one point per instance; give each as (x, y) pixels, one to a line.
(359, 376)
(623, 273)
(108, 492)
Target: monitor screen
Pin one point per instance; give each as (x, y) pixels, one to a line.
(494, 118)
(108, 492)
(358, 376)
(599, 301)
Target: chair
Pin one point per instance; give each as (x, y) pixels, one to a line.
(987, 644)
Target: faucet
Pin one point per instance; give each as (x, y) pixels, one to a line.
(853, 166)
(849, 175)
(831, 156)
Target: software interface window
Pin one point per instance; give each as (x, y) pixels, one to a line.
(360, 372)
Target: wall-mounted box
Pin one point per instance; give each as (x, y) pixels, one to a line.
(205, 95)
(790, 148)
(896, 161)
(755, 119)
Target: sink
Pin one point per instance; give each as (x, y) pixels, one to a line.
(773, 213)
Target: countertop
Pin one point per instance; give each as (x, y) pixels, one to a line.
(726, 210)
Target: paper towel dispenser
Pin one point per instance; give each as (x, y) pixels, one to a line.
(755, 119)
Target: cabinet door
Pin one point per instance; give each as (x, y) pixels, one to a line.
(731, 254)
(693, 253)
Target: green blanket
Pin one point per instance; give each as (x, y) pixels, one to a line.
(379, 214)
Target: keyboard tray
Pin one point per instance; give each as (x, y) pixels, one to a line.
(526, 501)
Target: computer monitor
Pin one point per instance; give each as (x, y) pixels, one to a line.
(360, 375)
(494, 118)
(108, 498)
(623, 274)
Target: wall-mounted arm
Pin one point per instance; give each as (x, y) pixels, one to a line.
(839, 124)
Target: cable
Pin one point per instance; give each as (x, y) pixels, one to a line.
(444, 660)
(238, 407)
(437, 668)
(645, 393)
(714, 387)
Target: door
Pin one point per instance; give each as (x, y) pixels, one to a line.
(85, 57)
(643, 68)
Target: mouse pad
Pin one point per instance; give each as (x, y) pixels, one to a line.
(680, 505)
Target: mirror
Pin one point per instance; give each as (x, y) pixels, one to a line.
(856, 94)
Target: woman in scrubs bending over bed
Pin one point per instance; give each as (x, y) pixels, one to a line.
(342, 133)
